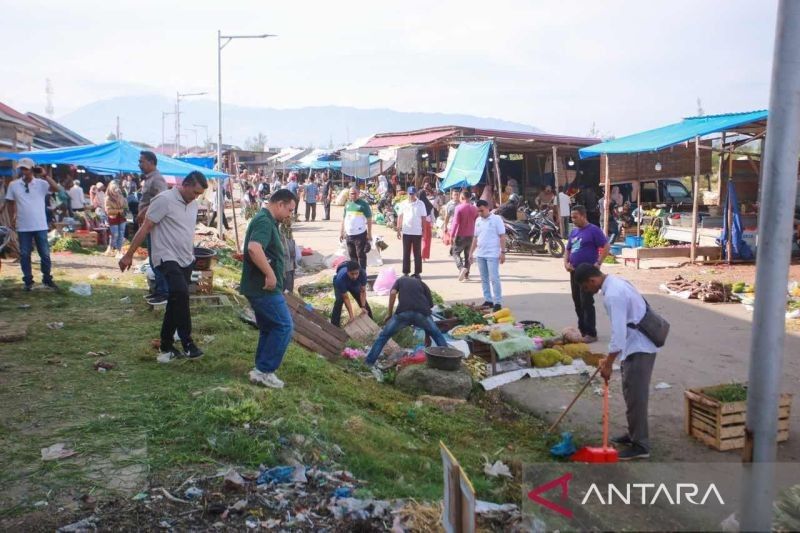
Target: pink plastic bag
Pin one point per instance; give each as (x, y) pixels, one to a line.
(385, 281)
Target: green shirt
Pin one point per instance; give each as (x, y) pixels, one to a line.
(356, 215)
(263, 229)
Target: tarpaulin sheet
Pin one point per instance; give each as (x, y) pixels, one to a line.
(739, 248)
(466, 167)
(666, 136)
(110, 157)
(205, 162)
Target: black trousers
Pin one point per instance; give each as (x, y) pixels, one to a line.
(176, 316)
(327, 205)
(461, 246)
(336, 313)
(357, 248)
(214, 219)
(311, 211)
(584, 308)
(412, 243)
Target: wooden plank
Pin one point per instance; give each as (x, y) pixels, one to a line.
(364, 329)
(313, 346)
(298, 307)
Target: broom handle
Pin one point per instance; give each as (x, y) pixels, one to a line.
(575, 399)
(605, 416)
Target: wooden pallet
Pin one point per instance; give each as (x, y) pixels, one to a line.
(722, 425)
(365, 330)
(313, 331)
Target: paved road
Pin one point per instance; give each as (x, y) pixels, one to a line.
(709, 344)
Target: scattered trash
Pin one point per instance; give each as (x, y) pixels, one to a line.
(125, 300)
(55, 325)
(57, 451)
(299, 474)
(97, 275)
(343, 492)
(208, 339)
(663, 385)
(276, 475)
(353, 353)
(81, 289)
(164, 524)
(730, 524)
(41, 503)
(482, 507)
(87, 524)
(233, 481)
(24, 306)
(141, 496)
(193, 493)
(100, 365)
(565, 447)
(497, 469)
(252, 522)
(239, 506)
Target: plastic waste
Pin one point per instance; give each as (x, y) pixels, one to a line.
(278, 474)
(565, 447)
(343, 492)
(193, 493)
(81, 289)
(385, 281)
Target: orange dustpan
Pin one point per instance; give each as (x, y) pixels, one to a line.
(591, 454)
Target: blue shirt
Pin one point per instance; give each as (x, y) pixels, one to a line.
(311, 191)
(343, 284)
(584, 243)
(292, 186)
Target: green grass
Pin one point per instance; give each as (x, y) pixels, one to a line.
(200, 415)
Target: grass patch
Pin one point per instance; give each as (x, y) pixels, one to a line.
(191, 415)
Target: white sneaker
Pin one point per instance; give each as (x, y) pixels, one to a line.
(267, 379)
(168, 356)
(462, 275)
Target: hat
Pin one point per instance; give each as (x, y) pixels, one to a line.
(26, 162)
(411, 190)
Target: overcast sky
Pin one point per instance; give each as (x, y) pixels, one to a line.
(558, 65)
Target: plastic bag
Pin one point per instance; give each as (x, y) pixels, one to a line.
(81, 289)
(385, 281)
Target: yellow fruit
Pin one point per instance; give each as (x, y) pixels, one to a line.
(506, 320)
(496, 335)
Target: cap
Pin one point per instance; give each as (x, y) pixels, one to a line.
(411, 190)
(26, 162)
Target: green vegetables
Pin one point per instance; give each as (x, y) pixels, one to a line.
(733, 392)
(467, 315)
(652, 237)
(67, 244)
(437, 298)
(543, 332)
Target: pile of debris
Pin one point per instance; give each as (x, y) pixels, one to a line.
(710, 291)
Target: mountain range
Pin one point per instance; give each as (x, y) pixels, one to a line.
(140, 119)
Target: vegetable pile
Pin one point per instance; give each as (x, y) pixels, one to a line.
(549, 357)
(67, 244)
(466, 314)
(543, 332)
(733, 392)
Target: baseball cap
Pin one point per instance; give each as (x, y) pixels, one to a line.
(411, 190)
(26, 162)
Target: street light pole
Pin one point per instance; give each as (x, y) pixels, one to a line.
(220, 46)
(178, 118)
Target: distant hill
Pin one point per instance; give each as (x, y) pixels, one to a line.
(140, 119)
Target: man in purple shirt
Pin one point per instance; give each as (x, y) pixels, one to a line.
(463, 231)
(587, 244)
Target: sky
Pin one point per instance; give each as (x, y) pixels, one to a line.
(558, 65)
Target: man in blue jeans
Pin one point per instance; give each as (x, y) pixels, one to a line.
(413, 309)
(26, 198)
(488, 250)
(262, 284)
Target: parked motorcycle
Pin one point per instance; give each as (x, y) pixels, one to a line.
(538, 234)
(5, 238)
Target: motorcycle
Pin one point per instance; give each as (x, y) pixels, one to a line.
(538, 234)
(5, 238)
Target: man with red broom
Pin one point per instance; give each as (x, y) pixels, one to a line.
(636, 352)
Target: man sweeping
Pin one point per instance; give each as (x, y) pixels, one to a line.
(635, 351)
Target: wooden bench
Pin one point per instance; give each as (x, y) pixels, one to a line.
(708, 253)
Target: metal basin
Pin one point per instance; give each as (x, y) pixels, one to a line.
(443, 358)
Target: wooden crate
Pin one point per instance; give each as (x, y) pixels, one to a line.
(721, 425)
(88, 239)
(204, 284)
(313, 331)
(485, 351)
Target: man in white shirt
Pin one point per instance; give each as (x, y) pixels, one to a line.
(488, 250)
(636, 353)
(564, 211)
(76, 197)
(409, 228)
(26, 199)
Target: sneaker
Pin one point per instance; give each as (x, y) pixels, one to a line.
(462, 275)
(589, 339)
(634, 452)
(497, 307)
(486, 304)
(377, 374)
(192, 351)
(28, 287)
(623, 440)
(267, 379)
(50, 285)
(167, 356)
(157, 299)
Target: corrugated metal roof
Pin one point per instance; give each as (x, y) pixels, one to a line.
(666, 136)
(12, 115)
(419, 137)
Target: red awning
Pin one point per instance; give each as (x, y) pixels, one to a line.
(414, 138)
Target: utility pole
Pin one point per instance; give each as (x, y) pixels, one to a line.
(178, 118)
(164, 115)
(49, 110)
(118, 136)
(778, 193)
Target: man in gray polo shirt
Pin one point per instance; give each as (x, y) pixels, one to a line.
(154, 184)
(170, 222)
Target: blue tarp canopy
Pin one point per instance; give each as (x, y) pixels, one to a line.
(205, 162)
(110, 157)
(466, 167)
(317, 165)
(666, 136)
